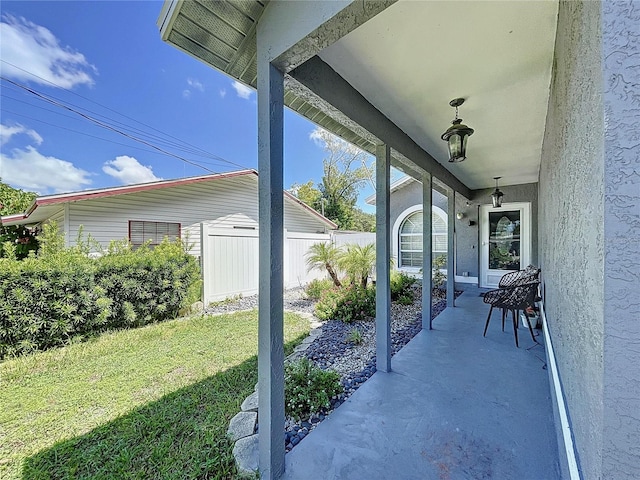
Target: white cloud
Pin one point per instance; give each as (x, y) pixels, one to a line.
(186, 93)
(8, 131)
(223, 92)
(242, 90)
(128, 170)
(195, 83)
(30, 170)
(318, 136)
(35, 50)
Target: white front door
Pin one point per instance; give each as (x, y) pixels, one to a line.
(505, 241)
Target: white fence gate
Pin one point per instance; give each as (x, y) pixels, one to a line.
(229, 259)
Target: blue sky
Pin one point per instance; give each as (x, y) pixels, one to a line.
(107, 61)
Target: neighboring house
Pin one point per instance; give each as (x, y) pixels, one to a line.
(223, 206)
(551, 89)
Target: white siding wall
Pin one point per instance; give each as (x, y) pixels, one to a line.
(224, 203)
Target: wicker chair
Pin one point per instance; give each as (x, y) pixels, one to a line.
(512, 298)
(511, 279)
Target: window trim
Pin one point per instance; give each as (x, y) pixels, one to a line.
(395, 244)
(156, 223)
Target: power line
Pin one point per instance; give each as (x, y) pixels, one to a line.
(104, 125)
(179, 144)
(94, 136)
(110, 109)
(161, 141)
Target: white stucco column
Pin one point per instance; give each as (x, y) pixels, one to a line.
(383, 258)
(271, 279)
(427, 250)
(451, 247)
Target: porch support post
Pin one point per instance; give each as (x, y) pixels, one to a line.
(270, 304)
(451, 246)
(383, 259)
(427, 249)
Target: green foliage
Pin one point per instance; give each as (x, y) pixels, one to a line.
(358, 262)
(48, 301)
(355, 336)
(146, 285)
(362, 221)
(438, 278)
(401, 284)
(17, 240)
(308, 194)
(346, 169)
(348, 304)
(321, 256)
(317, 287)
(62, 295)
(308, 388)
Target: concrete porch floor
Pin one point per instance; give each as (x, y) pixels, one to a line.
(455, 406)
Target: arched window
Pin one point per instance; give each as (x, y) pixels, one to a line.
(410, 241)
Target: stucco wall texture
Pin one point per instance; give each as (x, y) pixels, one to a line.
(589, 230)
(621, 99)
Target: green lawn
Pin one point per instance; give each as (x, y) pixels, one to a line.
(150, 403)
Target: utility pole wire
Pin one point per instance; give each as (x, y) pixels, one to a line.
(104, 125)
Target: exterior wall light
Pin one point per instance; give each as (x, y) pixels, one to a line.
(496, 196)
(456, 135)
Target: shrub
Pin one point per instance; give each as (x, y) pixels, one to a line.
(317, 287)
(347, 304)
(62, 295)
(48, 302)
(438, 278)
(401, 284)
(358, 262)
(146, 285)
(308, 388)
(355, 336)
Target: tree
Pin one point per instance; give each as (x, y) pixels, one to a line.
(324, 256)
(346, 169)
(308, 194)
(12, 201)
(362, 221)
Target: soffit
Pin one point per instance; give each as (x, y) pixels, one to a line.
(409, 61)
(414, 57)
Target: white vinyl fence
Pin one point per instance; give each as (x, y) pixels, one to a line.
(229, 259)
(359, 238)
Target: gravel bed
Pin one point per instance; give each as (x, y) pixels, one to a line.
(333, 350)
(294, 299)
(356, 363)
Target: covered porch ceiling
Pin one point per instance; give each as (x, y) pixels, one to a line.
(408, 61)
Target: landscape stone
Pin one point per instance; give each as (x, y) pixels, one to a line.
(245, 451)
(242, 425)
(250, 403)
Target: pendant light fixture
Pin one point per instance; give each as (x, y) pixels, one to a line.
(496, 196)
(456, 135)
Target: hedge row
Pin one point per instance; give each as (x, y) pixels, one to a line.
(62, 296)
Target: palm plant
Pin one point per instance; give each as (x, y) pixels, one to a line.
(324, 256)
(358, 262)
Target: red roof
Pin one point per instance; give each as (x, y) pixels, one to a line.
(61, 198)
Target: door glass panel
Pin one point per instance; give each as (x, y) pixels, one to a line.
(504, 240)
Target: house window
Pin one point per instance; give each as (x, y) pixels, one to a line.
(410, 251)
(153, 232)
